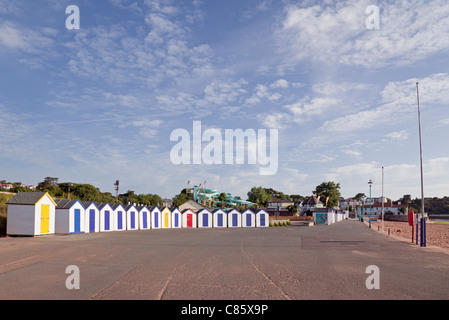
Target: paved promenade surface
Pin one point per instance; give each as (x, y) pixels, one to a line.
(279, 263)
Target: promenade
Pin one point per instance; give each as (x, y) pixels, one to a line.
(278, 263)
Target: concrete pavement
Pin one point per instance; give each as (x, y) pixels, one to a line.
(278, 263)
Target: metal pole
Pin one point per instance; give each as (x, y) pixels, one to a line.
(423, 221)
(370, 183)
(382, 199)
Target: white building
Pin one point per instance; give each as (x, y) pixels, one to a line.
(31, 213)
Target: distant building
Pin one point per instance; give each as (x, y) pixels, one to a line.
(309, 205)
(376, 208)
(344, 204)
(278, 207)
(190, 204)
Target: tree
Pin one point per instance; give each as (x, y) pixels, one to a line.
(359, 196)
(329, 190)
(258, 195)
(180, 199)
(47, 183)
(86, 192)
(293, 208)
(222, 199)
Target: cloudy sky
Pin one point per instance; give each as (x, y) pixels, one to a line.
(99, 103)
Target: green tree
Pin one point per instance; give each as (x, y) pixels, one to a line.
(180, 199)
(359, 196)
(47, 183)
(222, 199)
(328, 189)
(258, 195)
(86, 192)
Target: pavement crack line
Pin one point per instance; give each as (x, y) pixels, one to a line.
(170, 278)
(263, 274)
(100, 293)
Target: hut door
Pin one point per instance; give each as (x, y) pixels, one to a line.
(144, 220)
(106, 220)
(176, 220)
(119, 220)
(156, 219)
(189, 220)
(77, 221)
(262, 220)
(205, 220)
(220, 220)
(166, 220)
(248, 220)
(133, 220)
(45, 218)
(234, 220)
(92, 220)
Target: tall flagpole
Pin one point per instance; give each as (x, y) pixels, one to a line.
(383, 200)
(423, 221)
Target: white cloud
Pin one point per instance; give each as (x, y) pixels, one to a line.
(398, 135)
(400, 102)
(336, 33)
(220, 92)
(314, 106)
(15, 37)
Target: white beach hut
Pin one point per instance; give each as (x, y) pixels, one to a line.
(220, 218)
(205, 219)
(106, 217)
(176, 221)
(144, 217)
(31, 214)
(132, 217)
(248, 218)
(189, 218)
(234, 218)
(166, 218)
(119, 217)
(91, 217)
(156, 217)
(262, 218)
(69, 217)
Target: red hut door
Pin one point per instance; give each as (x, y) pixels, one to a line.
(189, 220)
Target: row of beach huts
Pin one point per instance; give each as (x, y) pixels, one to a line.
(37, 213)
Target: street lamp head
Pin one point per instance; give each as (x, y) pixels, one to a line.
(370, 182)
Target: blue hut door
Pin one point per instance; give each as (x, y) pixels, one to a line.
(119, 220)
(262, 220)
(176, 220)
(133, 222)
(156, 219)
(234, 220)
(248, 220)
(144, 220)
(77, 221)
(205, 220)
(106, 220)
(220, 220)
(92, 220)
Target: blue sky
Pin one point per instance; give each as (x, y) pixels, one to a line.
(99, 104)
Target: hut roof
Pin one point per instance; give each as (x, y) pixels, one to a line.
(28, 198)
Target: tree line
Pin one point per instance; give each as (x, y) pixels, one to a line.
(329, 193)
(88, 192)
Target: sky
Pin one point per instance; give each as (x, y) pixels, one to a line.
(100, 103)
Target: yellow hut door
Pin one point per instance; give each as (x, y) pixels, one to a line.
(166, 217)
(45, 218)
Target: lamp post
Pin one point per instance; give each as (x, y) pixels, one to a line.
(423, 220)
(370, 183)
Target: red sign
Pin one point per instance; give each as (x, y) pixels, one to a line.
(411, 218)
